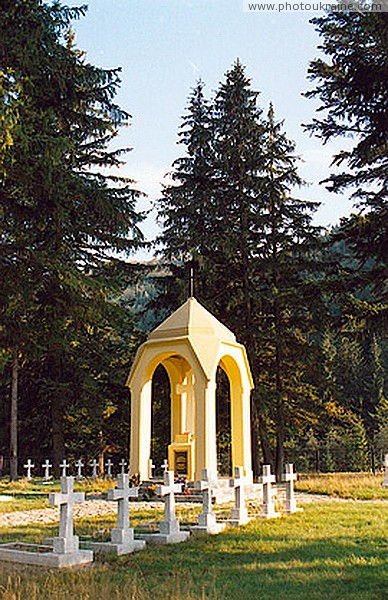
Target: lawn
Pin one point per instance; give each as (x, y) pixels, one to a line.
(356, 486)
(330, 550)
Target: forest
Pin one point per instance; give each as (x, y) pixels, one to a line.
(309, 304)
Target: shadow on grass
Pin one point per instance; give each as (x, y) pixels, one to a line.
(325, 552)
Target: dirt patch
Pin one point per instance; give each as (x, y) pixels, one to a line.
(91, 508)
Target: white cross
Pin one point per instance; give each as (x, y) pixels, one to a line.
(46, 466)
(239, 513)
(165, 466)
(205, 486)
(385, 482)
(267, 479)
(289, 477)
(121, 494)
(79, 464)
(167, 490)
(122, 464)
(67, 541)
(151, 467)
(207, 519)
(94, 464)
(29, 466)
(64, 466)
(109, 466)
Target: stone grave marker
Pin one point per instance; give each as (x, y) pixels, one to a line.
(94, 465)
(122, 537)
(64, 466)
(109, 466)
(268, 506)
(169, 530)
(29, 466)
(164, 466)
(207, 522)
(239, 514)
(46, 466)
(79, 464)
(151, 468)
(289, 477)
(123, 464)
(65, 551)
(67, 542)
(385, 482)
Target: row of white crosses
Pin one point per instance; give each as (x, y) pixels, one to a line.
(46, 466)
(122, 536)
(239, 514)
(267, 480)
(79, 466)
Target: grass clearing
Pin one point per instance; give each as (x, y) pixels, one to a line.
(355, 486)
(330, 550)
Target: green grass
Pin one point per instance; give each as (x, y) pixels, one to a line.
(355, 486)
(330, 550)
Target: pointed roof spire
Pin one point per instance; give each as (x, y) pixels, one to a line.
(192, 319)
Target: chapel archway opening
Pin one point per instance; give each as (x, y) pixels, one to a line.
(160, 416)
(223, 424)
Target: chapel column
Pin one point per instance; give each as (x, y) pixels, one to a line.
(241, 430)
(205, 429)
(140, 443)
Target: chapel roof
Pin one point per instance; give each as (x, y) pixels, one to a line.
(192, 319)
(191, 326)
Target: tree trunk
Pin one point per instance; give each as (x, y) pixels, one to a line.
(265, 444)
(255, 442)
(101, 454)
(13, 446)
(280, 435)
(58, 443)
(56, 406)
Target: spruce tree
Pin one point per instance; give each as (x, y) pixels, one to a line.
(255, 251)
(185, 206)
(351, 84)
(62, 213)
(285, 307)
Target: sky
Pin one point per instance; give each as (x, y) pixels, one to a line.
(165, 46)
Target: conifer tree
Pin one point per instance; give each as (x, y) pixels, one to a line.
(351, 84)
(237, 233)
(255, 252)
(286, 308)
(62, 212)
(186, 205)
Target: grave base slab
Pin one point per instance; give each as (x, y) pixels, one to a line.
(166, 538)
(238, 517)
(43, 556)
(213, 529)
(237, 522)
(116, 549)
(269, 512)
